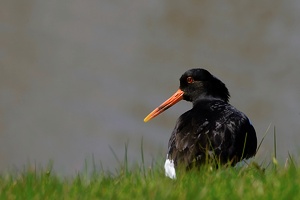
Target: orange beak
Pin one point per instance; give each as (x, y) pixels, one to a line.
(175, 98)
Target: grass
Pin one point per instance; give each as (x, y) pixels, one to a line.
(250, 181)
(247, 182)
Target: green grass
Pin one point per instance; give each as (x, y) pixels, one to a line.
(250, 181)
(247, 182)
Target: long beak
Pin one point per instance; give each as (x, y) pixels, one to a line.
(175, 98)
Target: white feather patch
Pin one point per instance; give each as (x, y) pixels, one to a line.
(170, 169)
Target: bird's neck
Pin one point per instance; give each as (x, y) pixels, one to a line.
(207, 98)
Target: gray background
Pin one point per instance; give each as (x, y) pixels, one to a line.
(79, 76)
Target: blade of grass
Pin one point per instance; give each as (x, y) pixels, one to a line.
(126, 159)
(275, 162)
(263, 138)
(275, 143)
(292, 163)
(115, 155)
(244, 145)
(143, 161)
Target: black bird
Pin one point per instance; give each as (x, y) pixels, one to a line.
(211, 129)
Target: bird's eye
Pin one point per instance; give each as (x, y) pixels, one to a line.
(189, 80)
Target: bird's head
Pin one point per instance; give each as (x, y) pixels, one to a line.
(199, 83)
(195, 84)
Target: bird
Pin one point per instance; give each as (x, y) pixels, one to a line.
(212, 129)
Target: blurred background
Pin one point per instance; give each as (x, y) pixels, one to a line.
(78, 77)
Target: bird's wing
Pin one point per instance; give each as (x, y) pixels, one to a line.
(184, 142)
(220, 130)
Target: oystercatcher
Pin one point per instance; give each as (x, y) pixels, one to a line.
(212, 129)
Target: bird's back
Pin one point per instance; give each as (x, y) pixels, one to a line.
(212, 128)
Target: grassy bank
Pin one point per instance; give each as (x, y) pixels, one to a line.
(247, 182)
(250, 181)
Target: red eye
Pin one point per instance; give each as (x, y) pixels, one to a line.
(189, 80)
